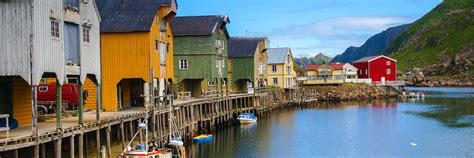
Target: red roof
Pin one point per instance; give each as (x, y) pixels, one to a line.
(337, 66)
(370, 58)
(334, 66)
(311, 67)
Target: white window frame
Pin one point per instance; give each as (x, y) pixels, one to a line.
(224, 83)
(43, 89)
(366, 71)
(389, 71)
(388, 63)
(275, 81)
(86, 34)
(54, 28)
(183, 64)
(274, 68)
(211, 84)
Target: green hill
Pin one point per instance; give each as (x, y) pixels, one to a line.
(318, 59)
(441, 43)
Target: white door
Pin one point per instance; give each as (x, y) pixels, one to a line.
(383, 80)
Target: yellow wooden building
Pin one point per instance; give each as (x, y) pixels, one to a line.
(280, 68)
(137, 48)
(318, 74)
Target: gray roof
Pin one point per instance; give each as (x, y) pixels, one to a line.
(198, 25)
(128, 15)
(243, 46)
(277, 55)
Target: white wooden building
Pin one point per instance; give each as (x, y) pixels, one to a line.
(45, 38)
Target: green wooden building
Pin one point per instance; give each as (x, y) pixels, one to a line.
(200, 54)
(248, 59)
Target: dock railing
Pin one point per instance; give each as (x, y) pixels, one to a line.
(184, 95)
(7, 125)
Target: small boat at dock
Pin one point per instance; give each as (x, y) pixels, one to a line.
(204, 138)
(247, 118)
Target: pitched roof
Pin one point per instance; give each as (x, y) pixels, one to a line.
(243, 46)
(277, 55)
(337, 66)
(197, 25)
(370, 58)
(312, 67)
(128, 15)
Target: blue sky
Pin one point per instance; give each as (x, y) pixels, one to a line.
(311, 26)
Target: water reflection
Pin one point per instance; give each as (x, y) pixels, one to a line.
(377, 128)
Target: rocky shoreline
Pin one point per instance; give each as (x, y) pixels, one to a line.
(345, 92)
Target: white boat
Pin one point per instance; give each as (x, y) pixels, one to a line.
(145, 151)
(247, 118)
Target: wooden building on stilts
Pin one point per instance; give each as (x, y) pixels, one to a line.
(56, 41)
(137, 48)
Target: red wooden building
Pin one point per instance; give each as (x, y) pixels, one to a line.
(377, 68)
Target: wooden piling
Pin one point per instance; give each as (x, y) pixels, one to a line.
(81, 145)
(122, 134)
(71, 146)
(58, 148)
(109, 148)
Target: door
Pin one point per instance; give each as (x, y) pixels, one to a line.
(383, 80)
(71, 44)
(6, 97)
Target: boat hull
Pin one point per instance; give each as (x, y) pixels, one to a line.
(247, 121)
(203, 139)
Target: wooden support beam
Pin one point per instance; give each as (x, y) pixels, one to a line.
(98, 104)
(43, 150)
(34, 109)
(58, 148)
(97, 142)
(59, 107)
(81, 145)
(71, 146)
(80, 111)
(109, 147)
(15, 153)
(122, 134)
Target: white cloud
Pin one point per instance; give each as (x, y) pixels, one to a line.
(332, 36)
(339, 25)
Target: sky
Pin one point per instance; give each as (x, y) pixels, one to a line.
(310, 27)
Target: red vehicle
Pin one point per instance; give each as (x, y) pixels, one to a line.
(47, 97)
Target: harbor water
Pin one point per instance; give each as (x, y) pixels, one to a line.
(441, 124)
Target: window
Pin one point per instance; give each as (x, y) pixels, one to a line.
(211, 83)
(183, 64)
(366, 71)
(85, 34)
(157, 45)
(43, 88)
(162, 54)
(389, 71)
(224, 83)
(388, 63)
(274, 68)
(288, 59)
(54, 28)
(275, 81)
(288, 69)
(167, 48)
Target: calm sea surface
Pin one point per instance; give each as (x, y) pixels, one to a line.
(439, 125)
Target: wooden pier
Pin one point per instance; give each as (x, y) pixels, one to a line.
(193, 117)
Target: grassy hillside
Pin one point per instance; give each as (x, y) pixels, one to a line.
(441, 42)
(318, 59)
